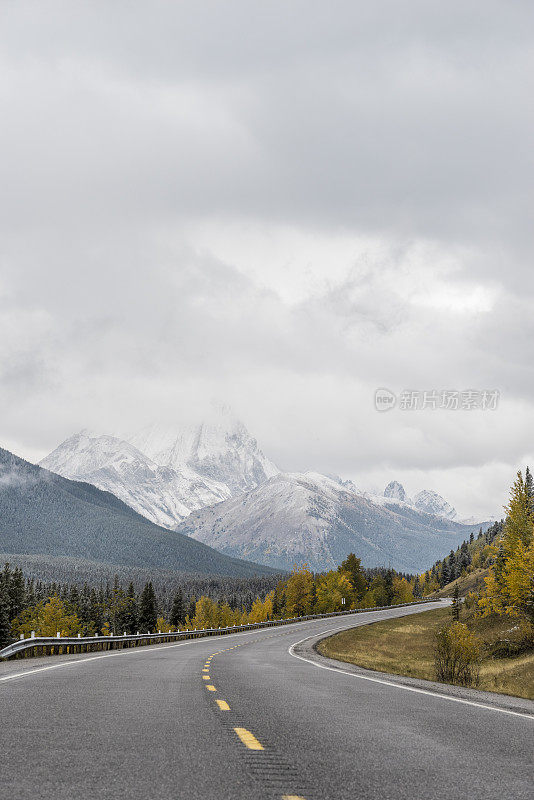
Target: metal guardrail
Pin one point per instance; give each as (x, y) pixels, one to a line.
(60, 645)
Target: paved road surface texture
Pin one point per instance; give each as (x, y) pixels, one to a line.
(244, 717)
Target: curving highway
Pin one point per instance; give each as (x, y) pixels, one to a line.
(251, 715)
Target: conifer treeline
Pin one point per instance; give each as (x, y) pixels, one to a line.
(474, 553)
(28, 605)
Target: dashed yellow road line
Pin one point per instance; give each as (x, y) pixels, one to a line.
(206, 678)
(210, 688)
(292, 797)
(223, 705)
(248, 739)
(205, 669)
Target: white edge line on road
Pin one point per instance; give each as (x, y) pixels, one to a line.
(151, 648)
(401, 685)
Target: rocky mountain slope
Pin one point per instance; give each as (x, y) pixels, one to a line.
(433, 503)
(295, 518)
(426, 500)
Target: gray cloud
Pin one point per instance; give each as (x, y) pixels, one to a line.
(284, 205)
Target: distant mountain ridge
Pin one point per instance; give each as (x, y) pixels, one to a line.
(295, 518)
(211, 481)
(166, 472)
(428, 501)
(44, 513)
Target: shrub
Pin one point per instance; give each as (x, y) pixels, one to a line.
(457, 655)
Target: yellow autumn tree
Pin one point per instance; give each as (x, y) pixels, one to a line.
(206, 614)
(47, 619)
(510, 583)
(299, 592)
(332, 588)
(262, 610)
(518, 581)
(402, 590)
(227, 617)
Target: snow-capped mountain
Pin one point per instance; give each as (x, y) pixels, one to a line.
(427, 501)
(211, 481)
(395, 491)
(219, 448)
(162, 494)
(165, 473)
(434, 503)
(295, 518)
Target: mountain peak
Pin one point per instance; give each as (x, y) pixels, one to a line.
(219, 447)
(433, 503)
(395, 491)
(164, 472)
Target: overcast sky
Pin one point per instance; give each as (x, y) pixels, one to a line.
(283, 205)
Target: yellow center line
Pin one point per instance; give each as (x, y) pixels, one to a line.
(248, 739)
(206, 669)
(210, 688)
(292, 797)
(206, 678)
(223, 705)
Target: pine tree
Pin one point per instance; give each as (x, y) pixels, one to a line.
(117, 607)
(5, 631)
(352, 567)
(130, 616)
(148, 617)
(518, 526)
(17, 593)
(178, 610)
(510, 583)
(388, 585)
(192, 608)
(96, 613)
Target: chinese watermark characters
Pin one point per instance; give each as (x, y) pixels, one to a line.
(438, 399)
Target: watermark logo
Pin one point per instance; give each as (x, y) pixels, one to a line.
(385, 400)
(438, 399)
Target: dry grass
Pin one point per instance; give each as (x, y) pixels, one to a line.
(472, 582)
(405, 646)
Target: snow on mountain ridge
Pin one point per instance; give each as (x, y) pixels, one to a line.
(307, 517)
(162, 494)
(219, 448)
(166, 472)
(433, 503)
(395, 490)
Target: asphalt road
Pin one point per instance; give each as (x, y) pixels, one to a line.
(241, 717)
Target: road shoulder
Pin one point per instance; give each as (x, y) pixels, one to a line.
(306, 650)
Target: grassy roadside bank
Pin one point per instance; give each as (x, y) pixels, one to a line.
(405, 646)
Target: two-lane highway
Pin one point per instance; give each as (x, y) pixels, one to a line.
(246, 716)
